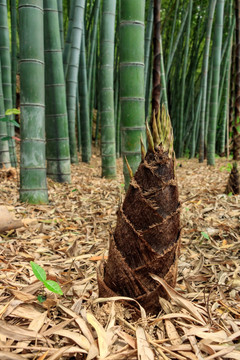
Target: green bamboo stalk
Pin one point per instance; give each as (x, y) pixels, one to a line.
(132, 82)
(60, 20)
(116, 109)
(183, 82)
(163, 79)
(236, 126)
(33, 185)
(176, 43)
(217, 45)
(13, 49)
(4, 149)
(84, 105)
(209, 88)
(148, 55)
(148, 41)
(196, 125)
(79, 141)
(72, 75)
(57, 151)
(148, 88)
(117, 84)
(224, 59)
(67, 45)
(98, 120)
(92, 92)
(6, 75)
(170, 47)
(226, 89)
(93, 43)
(88, 26)
(156, 58)
(204, 79)
(231, 91)
(108, 144)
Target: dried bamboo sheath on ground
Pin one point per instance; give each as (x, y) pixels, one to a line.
(147, 236)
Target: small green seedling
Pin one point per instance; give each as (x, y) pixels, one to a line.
(40, 274)
(205, 235)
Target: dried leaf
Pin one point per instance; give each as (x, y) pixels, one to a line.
(79, 339)
(101, 334)
(180, 300)
(144, 350)
(10, 356)
(17, 333)
(172, 333)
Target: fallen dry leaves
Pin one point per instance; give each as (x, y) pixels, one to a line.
(69, 238)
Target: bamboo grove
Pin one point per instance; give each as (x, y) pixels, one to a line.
(89, 74)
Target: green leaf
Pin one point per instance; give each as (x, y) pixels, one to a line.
(12, 111)
(10, 121)
(5, 138)
(53, 286)
(230, 194)
(14, 123)
(38, 271)
(41, 298)
(205, 235)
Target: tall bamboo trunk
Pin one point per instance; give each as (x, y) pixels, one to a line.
(217, 51)
(14, 49)
(58, 155)
(93, 43)
(183, 82)
(67, 45)
(60, 20)
(148, 56)
(72, 75)
(5, 58)
(86, 137)
(236, 127)
(33, 184)
(108, 144)
(204, 79)
(132, 81)
(4, 149)
(156, 57)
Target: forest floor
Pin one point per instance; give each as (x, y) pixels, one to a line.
(69, 239)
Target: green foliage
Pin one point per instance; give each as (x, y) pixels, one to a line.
(10, 112)
(41, 298)
(205, 235)
(227, 168)
(40, 274)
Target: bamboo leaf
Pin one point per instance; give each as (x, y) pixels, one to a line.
(12, 112)
(53, 286)
(38, 271)
(5, 138)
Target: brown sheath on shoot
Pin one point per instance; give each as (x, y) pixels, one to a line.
(147, 236)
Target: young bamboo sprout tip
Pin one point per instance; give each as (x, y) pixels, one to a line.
(129, 168)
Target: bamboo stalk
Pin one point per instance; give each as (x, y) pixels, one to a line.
(33, 184)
